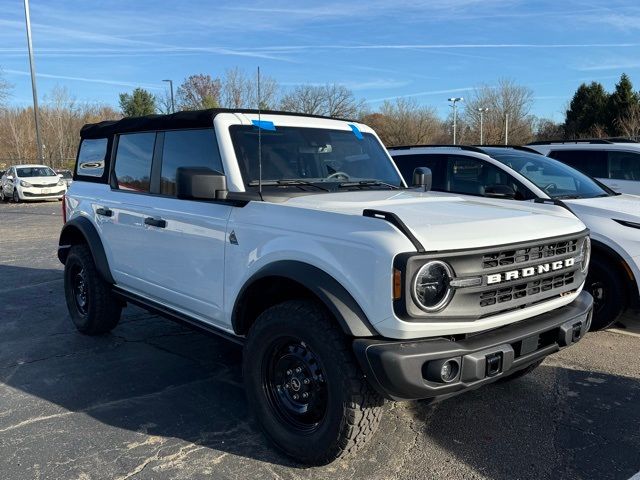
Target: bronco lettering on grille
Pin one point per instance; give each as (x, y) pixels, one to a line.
(529, 271)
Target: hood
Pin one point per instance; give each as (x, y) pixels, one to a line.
(40, 180)
(445, 222)
(622, 207)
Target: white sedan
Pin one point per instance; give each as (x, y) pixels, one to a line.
(31, 182)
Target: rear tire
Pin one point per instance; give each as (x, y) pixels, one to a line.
(92, 306)
(604, 283)
(305, 388)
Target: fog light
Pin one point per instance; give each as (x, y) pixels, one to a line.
(449, 371)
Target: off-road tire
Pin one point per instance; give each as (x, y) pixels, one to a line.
(523, 372)
(102, 311)
(353, 408)
(605, 283)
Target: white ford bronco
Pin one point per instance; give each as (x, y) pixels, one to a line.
(296, 236)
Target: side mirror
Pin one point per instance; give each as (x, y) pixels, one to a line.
(9, 177)
(200, 183)
(422, 178)
(60, 175)
(500, 191)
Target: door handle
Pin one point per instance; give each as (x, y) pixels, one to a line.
(155, 222)
(105, 212)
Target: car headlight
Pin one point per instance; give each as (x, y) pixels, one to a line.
(431, 286)
(25, 184)
(60, 182)
(585, 254)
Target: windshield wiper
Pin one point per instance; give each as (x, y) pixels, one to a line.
(368, 183)
(567, 197)
(291, 182)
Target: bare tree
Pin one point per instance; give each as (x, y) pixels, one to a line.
(332, 100)
(5, 90)
(505, 99)
(163, 102)
(198, 92)
(404, 122)
(629, 124)
(546, 129)
(240, 90)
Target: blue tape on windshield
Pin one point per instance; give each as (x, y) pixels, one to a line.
(264, 125)
(356, 131)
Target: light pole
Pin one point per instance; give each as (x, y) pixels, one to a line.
(482, 111)
(454, 101)
(173, 105)
(32, 67)
(506, 129)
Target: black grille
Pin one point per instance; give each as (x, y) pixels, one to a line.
(522, 290)
(512, 257)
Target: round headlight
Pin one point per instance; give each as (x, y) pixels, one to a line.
(585, 252)
(431, 288)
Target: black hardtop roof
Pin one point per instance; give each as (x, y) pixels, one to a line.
(173, 121)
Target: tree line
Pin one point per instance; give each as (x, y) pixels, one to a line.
(592, 112)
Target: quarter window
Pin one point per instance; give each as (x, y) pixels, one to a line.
(187, 148)
(591, 162)
(91, 157)
(624, 165)
(133, 161)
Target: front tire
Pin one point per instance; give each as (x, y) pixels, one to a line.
(16, 196)
(91, 304)
(306, 390)
(604, 283)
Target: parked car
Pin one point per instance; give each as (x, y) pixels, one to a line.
(31, 182)
(616, 162)
(66, 175)
(296, 236)
(523, 174)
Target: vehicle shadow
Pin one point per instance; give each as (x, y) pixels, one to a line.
(554, 423)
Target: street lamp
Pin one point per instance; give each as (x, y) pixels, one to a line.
(32, 68)
(173, 105)
(454, 101)
(482, 111)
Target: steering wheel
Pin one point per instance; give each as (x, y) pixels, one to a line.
(338, 175)
(548, 186)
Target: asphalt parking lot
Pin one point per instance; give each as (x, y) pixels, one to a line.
(154, 400)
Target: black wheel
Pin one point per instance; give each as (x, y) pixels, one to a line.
(89, 299)
(523, 372)
(306, 390)
(16, 197)
(606, 286)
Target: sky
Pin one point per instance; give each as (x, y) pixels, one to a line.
(424, 49)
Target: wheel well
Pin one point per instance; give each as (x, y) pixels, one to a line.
(600, 250)
(264, 293)
(72, 236)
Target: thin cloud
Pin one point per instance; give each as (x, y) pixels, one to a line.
(422, 94)
(86, 79)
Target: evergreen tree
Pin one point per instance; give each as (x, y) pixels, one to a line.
(139, 102)
(587, 110)
(619, 104)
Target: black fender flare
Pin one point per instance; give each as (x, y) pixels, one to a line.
(82, 230)
(327, 289)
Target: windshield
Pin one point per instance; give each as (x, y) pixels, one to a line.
(554, 178)
(312, 155)
(26, 172)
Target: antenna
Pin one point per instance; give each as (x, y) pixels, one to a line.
(259, 139)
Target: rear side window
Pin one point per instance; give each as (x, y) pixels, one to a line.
(91, 157)
(624, 165)
(134, 157)
(187, 148)
(436, 163)
(591, 162)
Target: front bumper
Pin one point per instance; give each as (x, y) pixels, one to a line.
(409, 370)
(34, 193)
